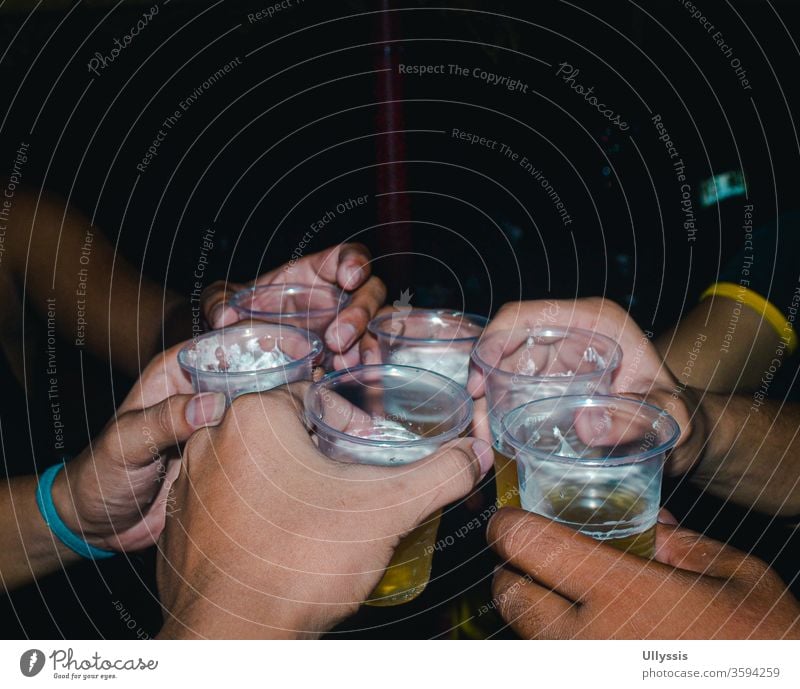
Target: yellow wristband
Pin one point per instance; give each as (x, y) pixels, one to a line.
(755, 301)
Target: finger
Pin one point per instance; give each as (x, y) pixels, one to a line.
(350, 359)
(480, 421)
(425, 486)
(350, 262)
(369, 349)
(476, 384)
(354, 266)
(533, 611)
(215, 307)
(351, 323)
(162, 378)
(666, 517)
(155, 518)
(694, 552)
(142, 434)
(282, 408)
(558, 557)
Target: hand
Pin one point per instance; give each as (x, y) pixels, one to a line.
(268, 537)
(642, 367)
(572, 587)
(347, 266)
(114, 492)
(369, 351)
(642, 372)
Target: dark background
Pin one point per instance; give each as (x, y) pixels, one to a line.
(299, 127)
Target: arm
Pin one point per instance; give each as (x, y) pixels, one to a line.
(269, 538)
(735, 344)
(559, 584)
(53, 251)
(28, 550)
(751, 455)
(114, 493)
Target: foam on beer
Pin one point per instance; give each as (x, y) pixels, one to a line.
(382, 430)
(445, 361)
(210, 356)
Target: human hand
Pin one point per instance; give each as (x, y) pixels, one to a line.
(642, 373)
(346, 266)
(268, 537)
(114, 492)
(559, 584)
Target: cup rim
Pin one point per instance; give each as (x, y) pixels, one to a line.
(311, 338)
(342, 298)
(376, 323)
(613, 362)
(593, 401)
(314, 422)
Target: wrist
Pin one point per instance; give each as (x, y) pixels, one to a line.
(211, 616)
(67, 492)
(690, 452)
(718, 435)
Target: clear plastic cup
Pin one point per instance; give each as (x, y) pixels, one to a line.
(594, 464)
(437, 340)
(312, 307)
(388, 416)
(522, 365)
(250, 358)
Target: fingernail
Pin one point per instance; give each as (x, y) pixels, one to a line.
(665, 517)
(354, 275)
(368, 357)
(205, 409)
(341, 336)
(215, 317)
(484, 453)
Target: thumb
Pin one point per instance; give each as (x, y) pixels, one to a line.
(147, 432)
(217, 310)
(447, 475)
(694, 552)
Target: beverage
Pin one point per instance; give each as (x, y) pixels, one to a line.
(445, 361)
(410, 567)
(250, 358)
(594, 464)
(506, 480)
(433, 339)
(522, 365)
(389, 415)
(600, 514)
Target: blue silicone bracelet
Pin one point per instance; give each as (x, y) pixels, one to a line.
(44, 499)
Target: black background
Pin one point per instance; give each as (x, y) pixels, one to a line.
(297, 129)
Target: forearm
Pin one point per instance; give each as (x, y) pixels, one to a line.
(752, 453)
(720, 346)
(28, 549)
(100, 301)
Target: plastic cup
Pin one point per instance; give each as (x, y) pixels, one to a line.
(312, 307)
(209, 360)
(389, 416)
(594, 464)
(522, 365)
(437, 340)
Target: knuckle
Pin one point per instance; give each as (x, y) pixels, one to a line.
(460, 470)
(213, 288)
(165, 417)
(360, 314)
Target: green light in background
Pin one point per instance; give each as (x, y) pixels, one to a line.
(721, 187)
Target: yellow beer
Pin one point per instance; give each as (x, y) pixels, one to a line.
(410, 568)
(506, 481)
(598, 514)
